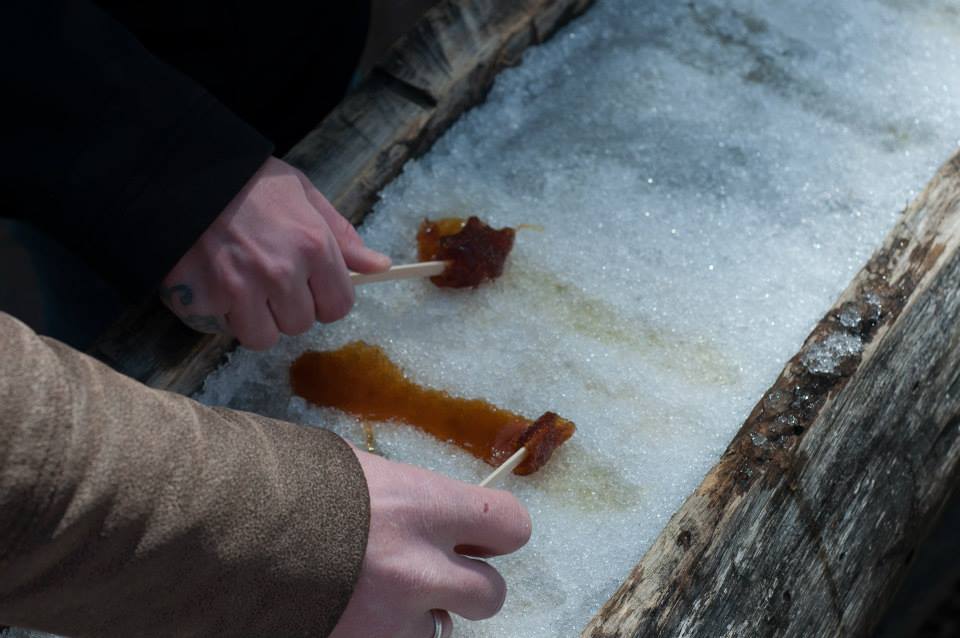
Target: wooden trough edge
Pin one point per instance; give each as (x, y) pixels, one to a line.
(808, 522)
(446, 65)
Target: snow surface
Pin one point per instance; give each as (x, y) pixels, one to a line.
(704, 179)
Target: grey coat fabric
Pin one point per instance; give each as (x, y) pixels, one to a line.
(127, 511)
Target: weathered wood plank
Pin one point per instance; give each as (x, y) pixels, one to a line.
(362, 144)
(150, 344)
(807, 523)
(445, 66)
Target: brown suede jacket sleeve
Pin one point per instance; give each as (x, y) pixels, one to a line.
(126, 511)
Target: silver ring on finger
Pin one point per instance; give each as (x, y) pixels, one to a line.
(437, 623)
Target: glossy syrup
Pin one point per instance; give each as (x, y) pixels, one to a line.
(360, 379)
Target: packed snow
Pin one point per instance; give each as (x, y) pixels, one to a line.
(698, 181)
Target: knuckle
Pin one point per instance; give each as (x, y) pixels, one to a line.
(335, 306)
(314, 243)
(418, 581)
(349, 297)
(320, 248)
(426, 580)
(310, 239)
(326, 313)
(344, 228)
(488, 593)
(517, 525)
(300, 327)
(234, 286)
(280, 273)
(258, 340)
(333, 238)
(295, 324)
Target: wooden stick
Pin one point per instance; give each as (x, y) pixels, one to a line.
(505, 467)
(405, 271)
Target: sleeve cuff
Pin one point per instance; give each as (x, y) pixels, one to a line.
(210, 159)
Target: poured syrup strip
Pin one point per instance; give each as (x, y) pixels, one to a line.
(360, 379)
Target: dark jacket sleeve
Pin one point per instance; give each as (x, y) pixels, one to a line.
(113, 152)
(126, 511)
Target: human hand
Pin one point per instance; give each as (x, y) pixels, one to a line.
(275, 260)
(424, 528)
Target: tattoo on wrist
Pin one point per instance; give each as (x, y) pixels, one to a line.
(201, 323)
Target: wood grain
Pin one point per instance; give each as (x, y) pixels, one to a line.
(443, 67)
(809, 520)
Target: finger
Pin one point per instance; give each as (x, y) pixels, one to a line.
(292, 308)
(252, 324)
(358, 257)
(330, 285)
(470, 588)
(483, 522)
(330, 304)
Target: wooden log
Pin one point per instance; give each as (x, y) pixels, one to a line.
(443, 67)
(810, 518)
